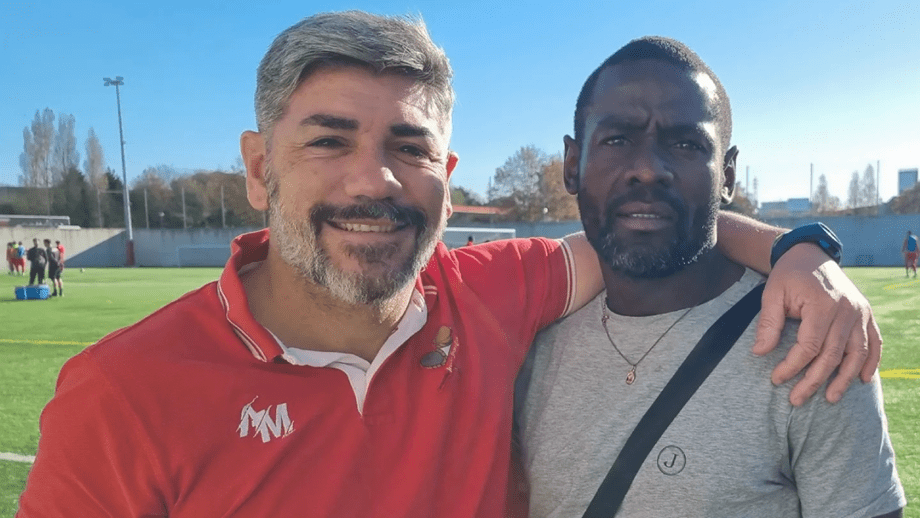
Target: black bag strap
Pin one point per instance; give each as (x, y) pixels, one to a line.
(701, 361)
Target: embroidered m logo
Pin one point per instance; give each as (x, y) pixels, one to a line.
(262, 422)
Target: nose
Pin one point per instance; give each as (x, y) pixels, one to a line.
(649, 167)
(370, 176)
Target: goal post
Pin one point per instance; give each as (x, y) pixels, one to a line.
(457, 236)
(202, 255)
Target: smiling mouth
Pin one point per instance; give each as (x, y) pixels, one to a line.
(379, 228)
(643, 216)
(644, 211)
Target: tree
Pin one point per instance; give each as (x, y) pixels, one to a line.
(854, 195)
(113, 201)
(753, 194)
(820, 196)
(463, 196)
(238, 167)
(822, 201)
(35, 158)
(155, 180)
(518, 184)
(94, 166)
(908, 202)
(239, 212)
(867, 188)
(72, 198)
(212, 199)
(560, 205)
(64, 150)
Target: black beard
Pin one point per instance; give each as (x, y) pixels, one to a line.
(646, 262)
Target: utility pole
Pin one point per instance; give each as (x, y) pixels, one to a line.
(184, 221)
(129, 246)
(146, 210)
(811, 187)
(99, 207)
(878, 187)
(223, 209)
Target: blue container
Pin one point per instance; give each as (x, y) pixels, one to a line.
(34, 292)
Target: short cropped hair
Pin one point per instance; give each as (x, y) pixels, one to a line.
(382, 44)
(669, 51)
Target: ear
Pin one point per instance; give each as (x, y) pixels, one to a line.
(452, 159)
(570, 159)
(253, 148)
(729, 166)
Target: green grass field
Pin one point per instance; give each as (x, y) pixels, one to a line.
(38, 336)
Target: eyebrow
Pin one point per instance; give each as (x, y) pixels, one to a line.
(616, 122)
(696, 130)
(342, 123)
(330, 121)
(410, 130)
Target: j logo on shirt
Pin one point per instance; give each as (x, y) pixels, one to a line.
(671, 460)
(262, 423)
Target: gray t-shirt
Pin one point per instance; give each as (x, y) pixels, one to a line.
(738, 448)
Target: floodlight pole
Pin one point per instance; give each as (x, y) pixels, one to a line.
(129, 246)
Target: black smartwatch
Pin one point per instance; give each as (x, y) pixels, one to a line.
(816, 233)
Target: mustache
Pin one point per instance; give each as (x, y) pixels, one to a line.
(646, 195)
(401, 215)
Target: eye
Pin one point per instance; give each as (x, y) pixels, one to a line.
(326, 142)
(615, 140)
(688, 145)
(413, 151)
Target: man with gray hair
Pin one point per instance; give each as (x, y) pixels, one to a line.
(349, 365)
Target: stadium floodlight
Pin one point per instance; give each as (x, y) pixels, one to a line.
(129, 245)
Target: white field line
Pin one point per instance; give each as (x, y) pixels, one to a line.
(15, 457)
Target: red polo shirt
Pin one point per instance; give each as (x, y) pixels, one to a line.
(193, 412)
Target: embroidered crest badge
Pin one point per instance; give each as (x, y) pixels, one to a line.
(442, 344)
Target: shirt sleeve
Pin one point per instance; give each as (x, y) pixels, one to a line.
(523, 280)
(92, 459)
(841, 456)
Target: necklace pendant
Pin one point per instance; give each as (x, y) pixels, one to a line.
(631, 376)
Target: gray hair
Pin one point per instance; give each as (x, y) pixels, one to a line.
(382, 44)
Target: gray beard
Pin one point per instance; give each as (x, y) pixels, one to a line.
(299, 246)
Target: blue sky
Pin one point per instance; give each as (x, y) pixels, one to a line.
(833, 83)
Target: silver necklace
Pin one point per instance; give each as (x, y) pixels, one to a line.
(631, 375)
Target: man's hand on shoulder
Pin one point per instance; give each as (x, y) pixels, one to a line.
(837, 327)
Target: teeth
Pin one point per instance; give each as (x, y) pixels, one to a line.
(645, 216)
(354, 227)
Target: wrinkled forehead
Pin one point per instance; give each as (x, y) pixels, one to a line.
(419, 94)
